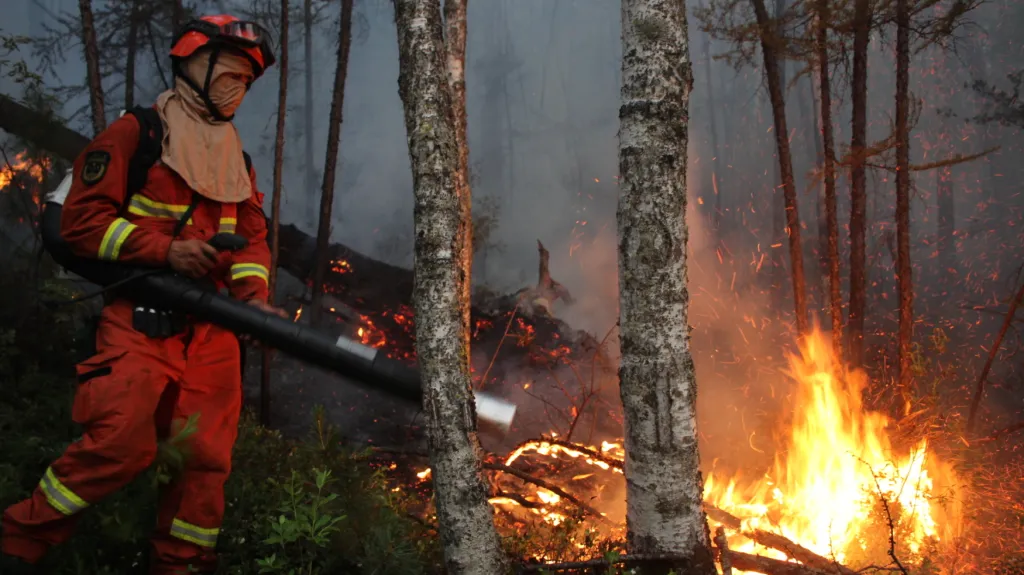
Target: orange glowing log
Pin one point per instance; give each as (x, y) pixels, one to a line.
(774, 541)
(768, 566)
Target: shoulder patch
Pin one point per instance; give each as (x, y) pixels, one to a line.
(95, 167)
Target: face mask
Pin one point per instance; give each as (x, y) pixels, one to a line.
(227, 92)
(228, 84)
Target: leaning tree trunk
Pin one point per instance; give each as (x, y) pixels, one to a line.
(323, 231)
(455, 39)
(775, 87)
(132, 48)
(858, 183)
(906, 290)
(825, 89)
(275, 204)
(664, 514)
(307, 109)
(466, 519)
(92, 67)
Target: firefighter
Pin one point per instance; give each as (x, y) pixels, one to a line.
(154, 369)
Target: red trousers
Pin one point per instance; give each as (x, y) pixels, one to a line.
(129, 394)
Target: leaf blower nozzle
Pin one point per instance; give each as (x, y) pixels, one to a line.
(362, 364)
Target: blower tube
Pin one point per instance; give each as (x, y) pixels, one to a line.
(344, 356)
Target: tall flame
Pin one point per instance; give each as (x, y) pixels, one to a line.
(838, 471)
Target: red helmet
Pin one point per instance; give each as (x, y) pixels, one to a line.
(223, 30)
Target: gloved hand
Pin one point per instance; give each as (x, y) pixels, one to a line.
(193, 258)
(264, 306)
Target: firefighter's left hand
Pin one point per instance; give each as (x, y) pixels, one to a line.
(266, 307)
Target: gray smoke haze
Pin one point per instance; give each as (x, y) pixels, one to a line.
(543, 96)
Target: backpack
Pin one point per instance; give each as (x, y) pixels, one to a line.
(149, 149)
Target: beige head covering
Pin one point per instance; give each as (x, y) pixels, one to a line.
(205, 152)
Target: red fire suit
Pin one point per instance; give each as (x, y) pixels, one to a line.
(131, 391)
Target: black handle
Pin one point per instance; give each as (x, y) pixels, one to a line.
(228, 242)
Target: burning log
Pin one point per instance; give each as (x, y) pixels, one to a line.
(769, 566)
(740, 561)
(547, 485)
(722, 544)
(775, 541)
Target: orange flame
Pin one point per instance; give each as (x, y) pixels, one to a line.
(829, 481)
(23, 164)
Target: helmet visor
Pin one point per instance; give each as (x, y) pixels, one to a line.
(241, 33)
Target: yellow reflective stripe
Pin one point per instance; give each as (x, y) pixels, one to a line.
(204, 537)
(143, 206)
(117, 232)
(227, 225)
(239, 271)
(61, 498)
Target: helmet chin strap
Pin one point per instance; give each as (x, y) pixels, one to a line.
(204, 92)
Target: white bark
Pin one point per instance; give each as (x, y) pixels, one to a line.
(455, 48)
(658, 388)
(466, 519)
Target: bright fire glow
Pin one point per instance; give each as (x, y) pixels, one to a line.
(830, 477)
(23, 164)
(831, 472)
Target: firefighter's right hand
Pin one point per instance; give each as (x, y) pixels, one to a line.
(194, 258)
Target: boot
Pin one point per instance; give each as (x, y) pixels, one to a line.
(11, 565)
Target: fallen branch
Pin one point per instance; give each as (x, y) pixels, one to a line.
(775, 541)
(980, 387)
(769, 566)
(999, 433)
(740, 561)
(546, 485)
(591, 453)
(957, 159)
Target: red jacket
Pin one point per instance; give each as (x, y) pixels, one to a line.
(96, 224)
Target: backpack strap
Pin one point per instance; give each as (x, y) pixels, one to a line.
(149, 149)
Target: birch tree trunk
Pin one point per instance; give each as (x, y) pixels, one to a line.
(664, 513)
(455, 44)
(835, 298)
(775, 88)
(323, 231)
(275, 204)
(465, 518)
(903, 270)
(858, 183)
(92, 67)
